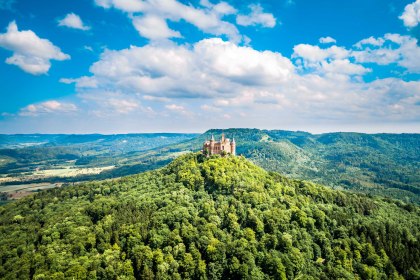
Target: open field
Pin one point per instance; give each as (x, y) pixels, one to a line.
(65, 172)
(72, 171)
(28, 187)
(12, 192)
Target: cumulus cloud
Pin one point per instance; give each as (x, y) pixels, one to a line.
(316, 54)
(154, 27)
(208, 19)
(30, 53)
(411, 14)
(243, 65)
(220, 77)
(333, 60)
(47, 107)
(344, 66)
(389, 49)
(221, 8)
(129, 6)
(84, 82)
(210, 67)
(72, 20)
(256, 17)
(392, 48)
(327, 40)
(371, 41)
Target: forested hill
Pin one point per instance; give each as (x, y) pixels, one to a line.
(379, 164)
(208, 218)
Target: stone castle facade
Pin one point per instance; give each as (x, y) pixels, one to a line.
(224, 146)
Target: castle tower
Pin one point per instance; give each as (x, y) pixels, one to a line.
(211, 145)
(233, 146)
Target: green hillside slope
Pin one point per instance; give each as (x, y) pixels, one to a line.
(214, 218)
(379, 164)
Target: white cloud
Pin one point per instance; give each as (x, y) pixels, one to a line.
(174, 107)
(122, 106)
(392, 48)
(154, 27)
(411, 14)
(243, 65)
(82, 82)
(372, 41)
(47, 107)
(88, 48)
(208, 19)
(344, 66)
(221, 8)
(210, 68)
(129, 6)
(179, 110)
(316, 54)
(333, 60)
(30, 53)
(72, 20)
(327, 40)
(224, 8)
(256, 17)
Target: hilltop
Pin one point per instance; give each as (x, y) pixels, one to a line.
(378, 164)
(208, 218)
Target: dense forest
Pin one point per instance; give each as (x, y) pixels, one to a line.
(208, 218)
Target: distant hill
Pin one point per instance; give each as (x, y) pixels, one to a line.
(383, 164)
(378, 164)
(208, 218)
(23, 154)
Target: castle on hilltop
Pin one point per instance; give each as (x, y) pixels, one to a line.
(224, 146)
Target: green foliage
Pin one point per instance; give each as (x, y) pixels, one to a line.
(207, 218)
(378, 164)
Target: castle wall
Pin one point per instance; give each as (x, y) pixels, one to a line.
(219, 146)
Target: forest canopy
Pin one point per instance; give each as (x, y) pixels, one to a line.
(208, 218)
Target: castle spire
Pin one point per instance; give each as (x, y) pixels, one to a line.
(212, 138)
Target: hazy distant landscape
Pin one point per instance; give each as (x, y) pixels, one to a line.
(27, 160)
(379, 164)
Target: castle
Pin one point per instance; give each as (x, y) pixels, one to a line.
(224, 146)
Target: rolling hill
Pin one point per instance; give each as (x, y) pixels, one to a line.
(208, 218)
(377, 164)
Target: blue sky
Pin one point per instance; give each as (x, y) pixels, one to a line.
(118, 66)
